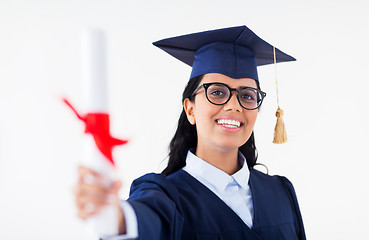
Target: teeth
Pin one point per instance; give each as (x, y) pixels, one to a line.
(230, 126)
(229, 123)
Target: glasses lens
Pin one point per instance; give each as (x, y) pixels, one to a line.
(217, 93)
(250, 98)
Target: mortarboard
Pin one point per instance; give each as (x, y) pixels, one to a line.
(235, 52)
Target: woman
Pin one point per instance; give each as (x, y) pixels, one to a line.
(209, 190)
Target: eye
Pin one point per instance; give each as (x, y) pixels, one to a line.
(249, 96)
(217, 93)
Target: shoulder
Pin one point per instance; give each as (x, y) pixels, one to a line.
(157, 179)
(276, 198)
(153, 183)
(149, 178)
(150, 181)
(270, 179)
(273, 184)
(156, 203)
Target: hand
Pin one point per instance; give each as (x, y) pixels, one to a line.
(92, 193)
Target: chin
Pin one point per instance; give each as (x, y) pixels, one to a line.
(233, 142)
(228, 146)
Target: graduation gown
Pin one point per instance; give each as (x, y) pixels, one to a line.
(180, 207)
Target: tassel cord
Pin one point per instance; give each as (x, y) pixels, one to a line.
(280, 135)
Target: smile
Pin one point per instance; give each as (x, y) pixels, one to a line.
(229, 123)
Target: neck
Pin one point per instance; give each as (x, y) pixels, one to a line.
(227, 161)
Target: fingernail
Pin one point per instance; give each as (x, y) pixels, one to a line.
(89, 207)
(111, 198)
(89, 179)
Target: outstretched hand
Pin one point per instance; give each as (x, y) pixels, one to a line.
(92, 193)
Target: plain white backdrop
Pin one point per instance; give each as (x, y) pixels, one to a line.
(323, 93)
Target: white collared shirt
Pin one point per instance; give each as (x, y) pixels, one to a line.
(233, 189)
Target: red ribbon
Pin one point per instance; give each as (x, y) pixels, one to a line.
(98, 125)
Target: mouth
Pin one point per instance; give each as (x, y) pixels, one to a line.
(229, 123)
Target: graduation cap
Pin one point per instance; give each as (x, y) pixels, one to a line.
(235, 52)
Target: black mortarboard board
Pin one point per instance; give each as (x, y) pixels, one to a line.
(235, 52)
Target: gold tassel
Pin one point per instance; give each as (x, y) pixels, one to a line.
(280, 134)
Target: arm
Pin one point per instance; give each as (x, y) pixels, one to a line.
(91, 195)
(157, 207)
(153, 207)
(130, 223)
(292, 195)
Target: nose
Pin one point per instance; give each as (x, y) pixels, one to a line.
(233, 104)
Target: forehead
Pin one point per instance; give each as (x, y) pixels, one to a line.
(231, 82)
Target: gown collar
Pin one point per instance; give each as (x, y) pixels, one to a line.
(203, 170)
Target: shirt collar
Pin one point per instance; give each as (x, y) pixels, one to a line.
(203, 170)
(242, 176)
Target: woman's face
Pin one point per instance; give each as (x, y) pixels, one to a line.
(221, 127)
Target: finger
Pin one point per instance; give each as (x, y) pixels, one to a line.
(94, 189)
(88, 210)
(85, 210)
(98, 189)
(89, 179)
(90, 176)
(95, 194)
(115, 186)
(84, 170)
(90, 207)
(98, 197)
(81, 188)
(87, 207)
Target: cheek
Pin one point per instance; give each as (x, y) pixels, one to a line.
(251, 117)
(205, 112)
(202, 117)
(250, 123)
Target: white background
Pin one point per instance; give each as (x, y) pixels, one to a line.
(323, 93)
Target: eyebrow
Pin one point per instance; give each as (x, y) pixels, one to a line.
(243, 86)
(247, 87)
(240, 87)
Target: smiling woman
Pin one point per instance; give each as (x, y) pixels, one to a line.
(216, 132)
(210, 189)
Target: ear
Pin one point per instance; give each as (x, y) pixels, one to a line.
(189, 109)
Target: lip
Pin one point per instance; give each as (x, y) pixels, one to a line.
(228, 128)
(231, 118)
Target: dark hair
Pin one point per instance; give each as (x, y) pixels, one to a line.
(185, 137)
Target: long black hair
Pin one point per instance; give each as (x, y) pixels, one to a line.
(185, 137)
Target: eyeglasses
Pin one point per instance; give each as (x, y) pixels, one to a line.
(220, 93)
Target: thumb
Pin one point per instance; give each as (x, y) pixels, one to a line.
(116, 186)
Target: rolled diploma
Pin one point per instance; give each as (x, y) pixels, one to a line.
(94, 88)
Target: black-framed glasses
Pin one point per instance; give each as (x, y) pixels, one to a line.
(220, 93)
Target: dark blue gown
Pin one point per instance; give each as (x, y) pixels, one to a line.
(180, 207)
